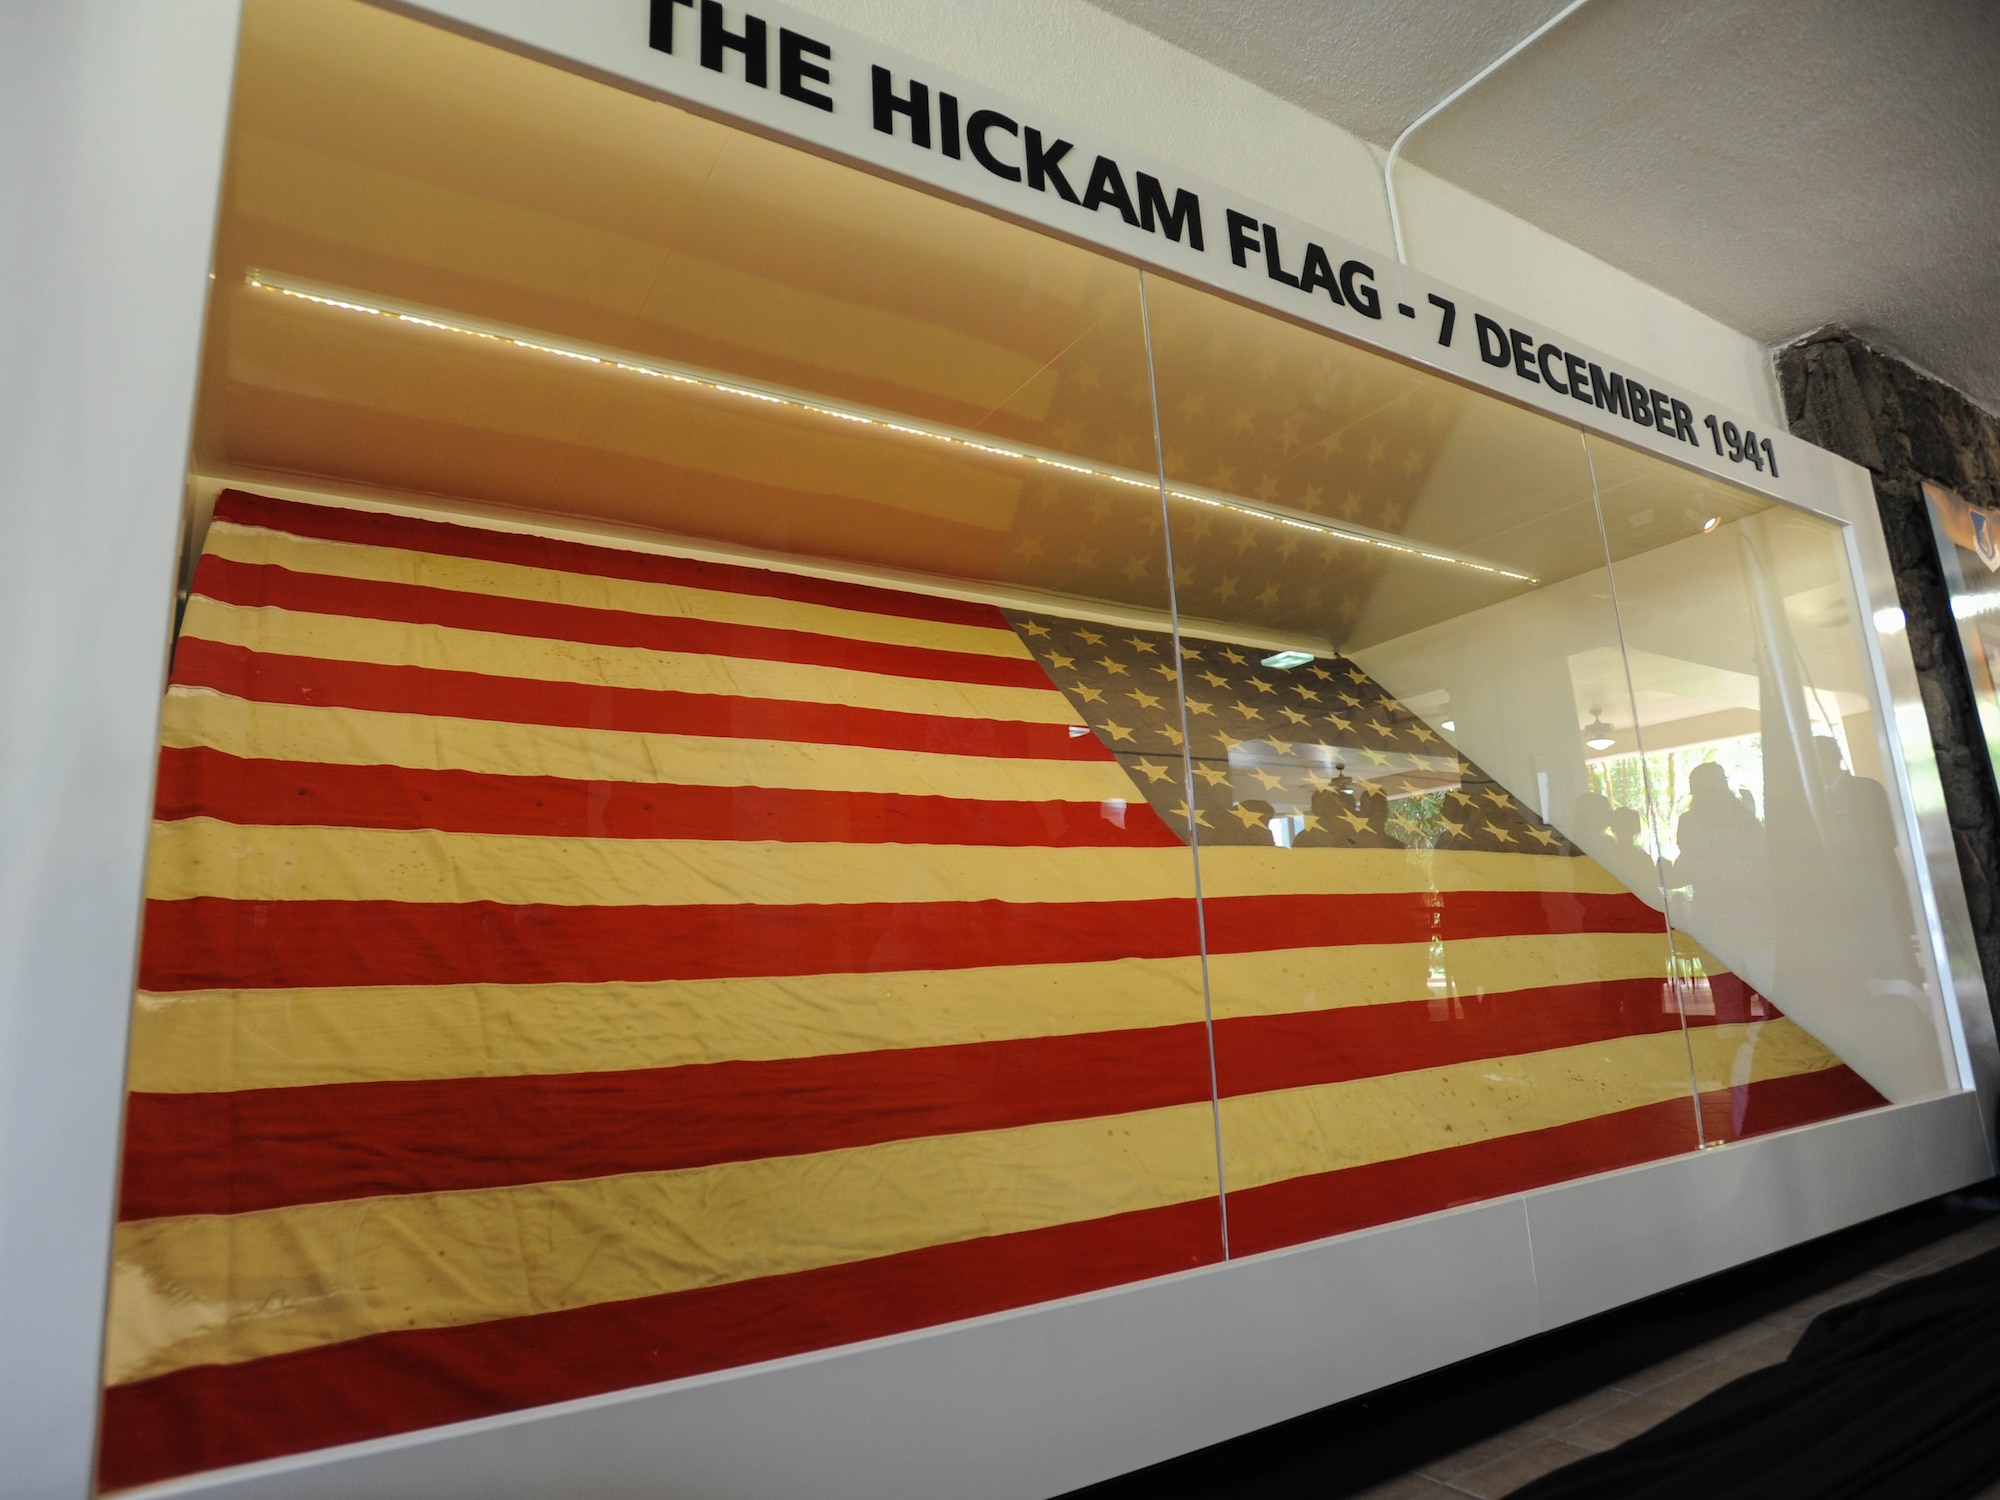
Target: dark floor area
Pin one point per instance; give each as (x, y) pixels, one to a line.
(1489, 1425)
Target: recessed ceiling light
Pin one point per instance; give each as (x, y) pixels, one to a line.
(1711, 523)
(1284, 661)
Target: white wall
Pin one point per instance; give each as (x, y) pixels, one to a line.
(111, 129)
(1084, 65)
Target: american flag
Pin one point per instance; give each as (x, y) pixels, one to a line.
(568, 968)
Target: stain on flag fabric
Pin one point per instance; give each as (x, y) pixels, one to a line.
(568, 968)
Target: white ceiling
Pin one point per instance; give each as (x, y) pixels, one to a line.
(1779, 164)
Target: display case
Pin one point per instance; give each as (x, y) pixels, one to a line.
(759, 760)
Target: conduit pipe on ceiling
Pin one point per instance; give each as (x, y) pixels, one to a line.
(1389, 162)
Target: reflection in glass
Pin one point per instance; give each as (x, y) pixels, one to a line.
(1458, 1002)
(1758, 740)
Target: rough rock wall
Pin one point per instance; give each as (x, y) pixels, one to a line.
(1905, 428)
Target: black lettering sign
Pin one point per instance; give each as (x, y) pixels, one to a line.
(1542, 354)
(1642, 405)
(1684, 423)
(948, 124)
(1579, 377)
(1107, 186)
(1523, 346)
(1273, 266)
(1663, 413)
(1242, 236)
(1357, 284)
(1043, 165)
(1608, 393)
(717, 39)
(1184, 216)
(916, 107)
(660, 30)
(1318, 272)
(1492, 340)
(794, 72)
(976, 128)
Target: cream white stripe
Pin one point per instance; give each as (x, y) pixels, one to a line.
(364, 737)
(257, 544)
(446, 648)
(193, 857)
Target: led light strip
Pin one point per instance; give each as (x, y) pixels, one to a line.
(342, 300)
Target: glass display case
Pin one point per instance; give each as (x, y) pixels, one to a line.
(758, 759)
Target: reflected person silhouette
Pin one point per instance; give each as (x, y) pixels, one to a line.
(1590, 825)
(1723, 861)
(1265, 813)
(1627, 858)
(1862, 842)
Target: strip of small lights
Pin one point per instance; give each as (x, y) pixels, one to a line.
(341, 299)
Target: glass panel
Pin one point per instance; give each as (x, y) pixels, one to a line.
(1392, 589)
(1968, 544)
(1761, 742)
(572, 966)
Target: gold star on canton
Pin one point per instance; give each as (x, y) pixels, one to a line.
(1088, 693)
(1200, 817)
(1090, 637)
(1057, 659)
(1033, 629)
(1261, 685)
(1164, 670)
(1232, 656)
(1117, 731)
(1248, 816)
(1196, 706)
(1245, 709)
(1500, 833)
(1294, 715)
(1114, 667)
(1144, 700)
(1266, 780)
(1210, 774)
(1152, 772)
(1213, 679)
(1139, 644)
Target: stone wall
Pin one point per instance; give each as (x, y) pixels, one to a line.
(1905, 428)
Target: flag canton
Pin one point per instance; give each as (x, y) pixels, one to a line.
(1314, 754)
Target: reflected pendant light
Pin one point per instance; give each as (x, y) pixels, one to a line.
(1597, 734)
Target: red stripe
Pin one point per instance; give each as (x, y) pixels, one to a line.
(209, 1416)
(207, 942)
(1735, 1114)
(376, 529)
(1257, 1054)
(266, 1148)
(259, 585)
(1330, 1203)
(316, 682)
(200, 782)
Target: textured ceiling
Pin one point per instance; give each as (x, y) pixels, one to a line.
(1779, 164)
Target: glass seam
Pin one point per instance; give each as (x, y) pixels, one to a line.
(1646, 782)
(1187, 760)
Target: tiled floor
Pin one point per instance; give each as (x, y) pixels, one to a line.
(1606, 1418)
